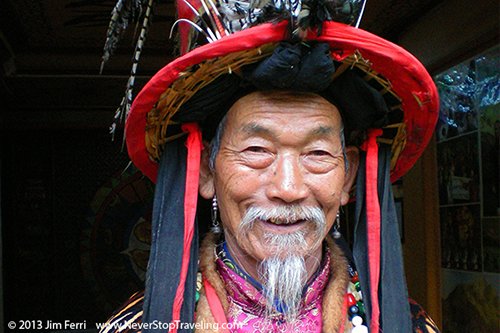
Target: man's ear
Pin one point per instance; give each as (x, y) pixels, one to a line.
(206, 186)
(352, 155)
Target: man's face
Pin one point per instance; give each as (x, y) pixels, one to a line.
(278, 149)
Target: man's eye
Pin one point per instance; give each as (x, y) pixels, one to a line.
(257, 157)
(320, 161)
(319, 153)
(256, 149)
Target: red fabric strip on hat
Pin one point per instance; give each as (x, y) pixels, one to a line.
(373, 223)
(215, 306)
(194, 146)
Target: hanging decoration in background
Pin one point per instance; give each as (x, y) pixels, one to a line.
(116, 239)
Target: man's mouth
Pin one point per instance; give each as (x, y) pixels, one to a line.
(280, 221)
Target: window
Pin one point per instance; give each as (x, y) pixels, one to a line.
(468, 139)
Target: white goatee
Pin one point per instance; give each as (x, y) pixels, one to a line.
(284, 274)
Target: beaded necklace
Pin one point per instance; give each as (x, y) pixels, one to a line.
(355, 305)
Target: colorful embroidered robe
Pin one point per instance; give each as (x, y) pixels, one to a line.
(328, 300)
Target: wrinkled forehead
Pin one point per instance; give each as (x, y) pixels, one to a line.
(285, 108)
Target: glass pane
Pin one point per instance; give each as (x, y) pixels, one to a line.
(468, 136)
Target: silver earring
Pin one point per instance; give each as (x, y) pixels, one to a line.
(215, 222)
(336, 227)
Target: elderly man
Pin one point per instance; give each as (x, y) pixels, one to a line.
(274, 122)
(280, 175)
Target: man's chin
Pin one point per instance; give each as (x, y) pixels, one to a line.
(302, 249)
(277, 252)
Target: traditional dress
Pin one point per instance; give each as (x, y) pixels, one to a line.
(327, 303)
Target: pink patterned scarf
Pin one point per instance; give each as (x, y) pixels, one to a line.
(247, 303)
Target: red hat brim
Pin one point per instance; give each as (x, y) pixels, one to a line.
(407, 76)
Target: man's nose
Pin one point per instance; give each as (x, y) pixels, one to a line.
(288, 183)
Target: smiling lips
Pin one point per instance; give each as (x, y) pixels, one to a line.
(278, 221)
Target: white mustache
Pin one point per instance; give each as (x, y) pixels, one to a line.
(284, 215)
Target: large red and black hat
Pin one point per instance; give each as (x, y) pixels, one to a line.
(388, 67)
(221, 42)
